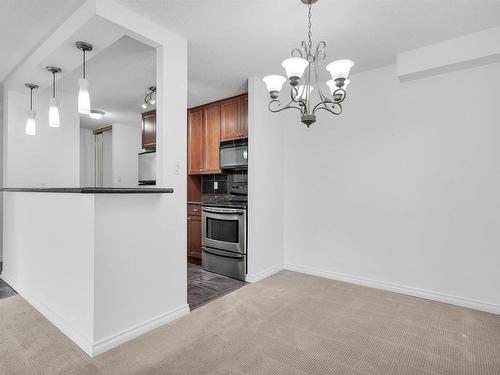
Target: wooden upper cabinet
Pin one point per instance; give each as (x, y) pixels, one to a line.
(212, 121)
(211, 124)
(230, 119)
(149, 130)
(234, 118)
(244, 116)
(203, 139)
(196, 143)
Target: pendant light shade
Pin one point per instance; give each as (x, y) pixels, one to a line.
(294, 67)
(54, 114)
(83, 83)
(31, 115)
(340, 69)
(54, 121)
(274, 83)
(83, 97)
(31, 123)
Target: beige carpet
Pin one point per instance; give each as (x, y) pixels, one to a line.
(287, 324)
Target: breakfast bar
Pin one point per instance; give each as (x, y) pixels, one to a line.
(93, 261)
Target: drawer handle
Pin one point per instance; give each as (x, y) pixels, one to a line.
(195, 209)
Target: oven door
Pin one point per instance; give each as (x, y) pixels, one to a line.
(224, 228)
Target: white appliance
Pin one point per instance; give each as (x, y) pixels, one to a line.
(147, 168)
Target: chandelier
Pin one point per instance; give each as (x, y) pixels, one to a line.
(302, 72)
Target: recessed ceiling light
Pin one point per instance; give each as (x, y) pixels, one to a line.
(95, 114)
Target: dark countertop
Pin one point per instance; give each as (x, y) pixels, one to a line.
(92, 190)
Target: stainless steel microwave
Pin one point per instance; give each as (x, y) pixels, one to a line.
(234, 155)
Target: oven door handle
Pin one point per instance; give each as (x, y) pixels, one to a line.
(216, 253)
(224, 210)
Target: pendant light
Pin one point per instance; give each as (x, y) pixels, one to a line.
(31, 121)
(53, 108)
(83, 94)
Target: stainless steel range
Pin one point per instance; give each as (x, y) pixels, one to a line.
(224, 231)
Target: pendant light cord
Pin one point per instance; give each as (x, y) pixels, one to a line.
(54, 85)
(31, 98)
(84, 67)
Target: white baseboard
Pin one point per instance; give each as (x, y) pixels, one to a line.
(54, 318)
(253, 278)
(416, 292)
(103, 345)
(138, 330)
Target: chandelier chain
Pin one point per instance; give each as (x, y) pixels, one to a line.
(309, 34)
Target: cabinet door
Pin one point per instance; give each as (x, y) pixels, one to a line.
(244, 116)
(196, 144)
(230, 119)
(194, 236)
(211, 135)
(149, 130)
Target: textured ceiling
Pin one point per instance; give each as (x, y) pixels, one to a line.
(230, 40)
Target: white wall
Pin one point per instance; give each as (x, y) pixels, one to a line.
(265, 179)
(48, 251)
(1, 181)
(50, 158)
(126, 144)
(402, 189)
(87, 157)
(135, 272)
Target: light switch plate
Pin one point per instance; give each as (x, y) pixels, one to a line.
(216, 185)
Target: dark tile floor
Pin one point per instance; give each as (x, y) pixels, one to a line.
(205, 286)
(5, 289)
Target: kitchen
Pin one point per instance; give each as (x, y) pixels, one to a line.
(217, 193)
(217, 198)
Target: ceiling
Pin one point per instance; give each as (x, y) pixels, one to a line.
(119, 78)
(230, 40)
(25, 23)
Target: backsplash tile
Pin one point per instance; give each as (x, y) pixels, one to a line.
(208, 184)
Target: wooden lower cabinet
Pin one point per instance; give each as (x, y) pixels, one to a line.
(194, 231)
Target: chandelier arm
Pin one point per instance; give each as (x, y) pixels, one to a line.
(278, 104)
(304, 48)
(325, 108)
(297, 52)
(320, 51)
(322, 96)
(300, 102)
(344, 95)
